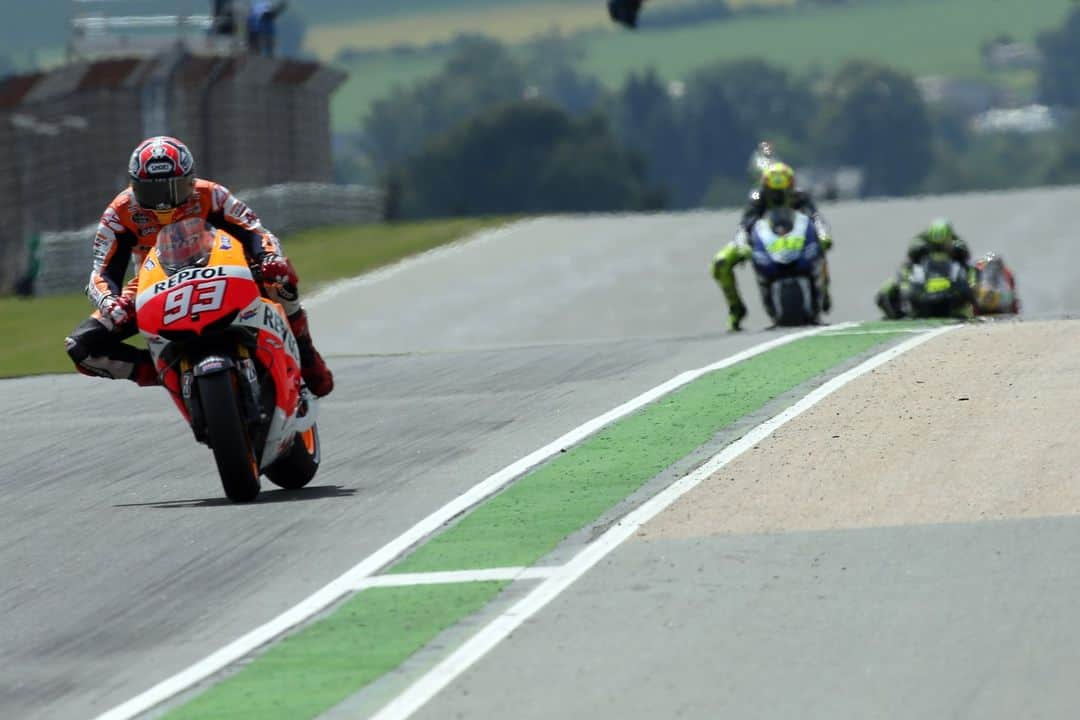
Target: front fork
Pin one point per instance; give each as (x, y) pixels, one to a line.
(247, 383)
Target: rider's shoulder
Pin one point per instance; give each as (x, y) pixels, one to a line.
(123, 210)
(755, 196)
(124, 200)
(213, 193)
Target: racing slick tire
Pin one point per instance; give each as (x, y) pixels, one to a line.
(228, 438)
(298, 466)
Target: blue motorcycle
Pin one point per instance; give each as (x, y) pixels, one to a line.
(790, 264)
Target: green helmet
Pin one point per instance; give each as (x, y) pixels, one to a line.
(940, 233)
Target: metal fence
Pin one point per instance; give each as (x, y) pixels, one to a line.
(65, 134)
(65, 257)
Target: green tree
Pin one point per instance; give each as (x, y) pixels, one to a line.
(717, 140)
(479, 74)
(696, 143)
(550, 65)
(1058, 73)
(524, 157)
(644, 118)
(766, 98)
(875, 118)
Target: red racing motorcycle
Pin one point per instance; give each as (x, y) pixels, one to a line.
(229, 359)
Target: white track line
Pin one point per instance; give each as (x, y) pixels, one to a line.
(457, 576)
(845, 333)
(326, 596)
(476, 647)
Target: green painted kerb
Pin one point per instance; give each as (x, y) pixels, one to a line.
(374, 632)
(310, 672)
(898, 325)
(537, 512)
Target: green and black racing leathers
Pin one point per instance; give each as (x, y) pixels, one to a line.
(889, 297)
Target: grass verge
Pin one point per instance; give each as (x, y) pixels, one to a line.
(35, 328)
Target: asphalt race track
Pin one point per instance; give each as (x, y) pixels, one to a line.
(122, 564)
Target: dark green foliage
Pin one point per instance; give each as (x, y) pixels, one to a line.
(523, 157)
(765, 97)
(550, 65)
(1062, 161)
(645, 119)
(706, 131)
(1058, 76)
(1005, 160)
(717, 138)
(874, 117)
(480, 74)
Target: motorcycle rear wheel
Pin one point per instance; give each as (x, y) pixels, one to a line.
(228, 438)
(298, 466)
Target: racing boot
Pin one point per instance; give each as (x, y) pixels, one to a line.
(144, 374)
(826, 296)
(313, 368)
(99, 351)
(888, 299)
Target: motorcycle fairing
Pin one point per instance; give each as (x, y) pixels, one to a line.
(224, 291)
(192, 298)
(278, 352)
(777, 255)
(936, 286)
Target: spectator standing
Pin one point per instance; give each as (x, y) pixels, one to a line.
(224, 17)
(261, 26)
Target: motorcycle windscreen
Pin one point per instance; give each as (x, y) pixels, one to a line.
(185, 244)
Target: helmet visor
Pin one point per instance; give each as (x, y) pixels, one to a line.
(162, 193)
(187, 243)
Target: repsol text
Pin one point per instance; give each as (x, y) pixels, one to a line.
(189, 274)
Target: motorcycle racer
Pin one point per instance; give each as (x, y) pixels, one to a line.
(777, 189)
(994, 286)
(939, 237)
(162, 190)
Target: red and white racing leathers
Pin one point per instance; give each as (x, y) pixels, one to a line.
(126, 233)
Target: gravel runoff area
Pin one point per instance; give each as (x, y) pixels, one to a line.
(975, 425)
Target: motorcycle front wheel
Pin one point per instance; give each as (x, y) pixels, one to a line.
(228, 438)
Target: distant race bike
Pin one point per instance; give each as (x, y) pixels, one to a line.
(936, 286)
(789, 263)
(995, 287)
(227, 355)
